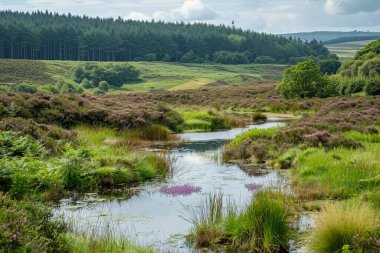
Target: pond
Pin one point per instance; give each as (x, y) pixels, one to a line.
(152, 214)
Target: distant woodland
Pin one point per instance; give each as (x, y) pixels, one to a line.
(51, 36)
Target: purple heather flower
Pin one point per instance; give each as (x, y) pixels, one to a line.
(252, 187)
(179, 190)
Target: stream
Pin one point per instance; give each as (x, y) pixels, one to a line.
(150, 217)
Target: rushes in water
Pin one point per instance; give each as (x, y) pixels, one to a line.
(261, 227)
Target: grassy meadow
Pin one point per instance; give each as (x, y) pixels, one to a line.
(155, 76)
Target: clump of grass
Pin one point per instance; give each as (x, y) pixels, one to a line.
(72, 243)
(154, 133)
(259, 117)
(261, 227)
(253, 134)
(206, 220)
(344, 224)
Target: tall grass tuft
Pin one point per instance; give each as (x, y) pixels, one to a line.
(206, 220)
(341, 224)
(155, 133)
(263, 226)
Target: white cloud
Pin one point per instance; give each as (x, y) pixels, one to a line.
(190, 10)
(196, 10)
(341, 7)
(134, 15)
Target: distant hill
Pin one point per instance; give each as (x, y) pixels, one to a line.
(328, 36)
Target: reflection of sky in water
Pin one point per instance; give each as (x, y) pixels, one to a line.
(150, 217)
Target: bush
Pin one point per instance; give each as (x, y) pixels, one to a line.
(305, 80)
(344, 224)
(115, 75)
(104, 86)
(24, 88)
(372, 87)
(27, 227)
(225, 57)
(329, 66)
(265, 60)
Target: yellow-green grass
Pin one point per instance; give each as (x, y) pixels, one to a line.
(207, 119)
(72, 243)
(339, 173)
(116, 155)
(347, 49)
(193, 84)
(154, 75)
(352, 225)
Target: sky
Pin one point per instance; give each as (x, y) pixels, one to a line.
(271, 16)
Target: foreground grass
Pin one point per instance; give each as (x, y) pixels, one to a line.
(261, 227)
(73, 243)
(353, 226)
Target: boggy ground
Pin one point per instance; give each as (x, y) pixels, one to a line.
(333, 155)
(56, 144)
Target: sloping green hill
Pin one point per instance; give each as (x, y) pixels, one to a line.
(154, 75)
(347, 50)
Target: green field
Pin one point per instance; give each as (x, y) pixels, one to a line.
(347, 49)
(154, 75)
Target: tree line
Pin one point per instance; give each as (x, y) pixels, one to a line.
(51, 36)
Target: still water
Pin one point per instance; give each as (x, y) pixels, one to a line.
(149, 217)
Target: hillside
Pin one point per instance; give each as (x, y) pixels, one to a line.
(154, 75)
(366, 62)
(48, 36)
(329, 35)
(347, 50)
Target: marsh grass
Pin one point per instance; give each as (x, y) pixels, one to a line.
(260, 227)
(253, 134)
(342, 174)
(208, 119)
(340, 224)
(259, 117)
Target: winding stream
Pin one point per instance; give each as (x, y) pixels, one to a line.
(149, 217)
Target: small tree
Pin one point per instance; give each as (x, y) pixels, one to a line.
(304, 80)
(104, 86)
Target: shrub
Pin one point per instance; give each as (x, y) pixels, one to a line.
(341, 224)
(104, 86)
(265, 60)
(305, 80)
(373, 87)
(24, 88)
(27, 227)
(226, 57)
(329, 66)
(115, 75)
